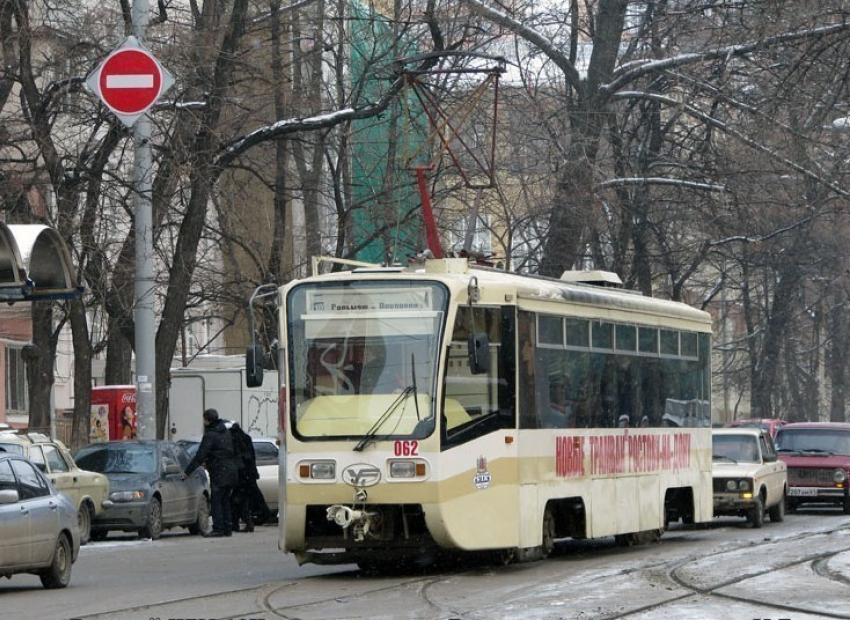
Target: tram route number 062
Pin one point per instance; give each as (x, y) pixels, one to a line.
(406, 448)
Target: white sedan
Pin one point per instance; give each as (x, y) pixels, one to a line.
(266, 452)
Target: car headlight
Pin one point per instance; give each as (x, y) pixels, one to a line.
(127, 496)
(839, 476)
(738, 486)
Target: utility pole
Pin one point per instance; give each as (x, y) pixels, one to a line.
(144, 284)
(129, 81)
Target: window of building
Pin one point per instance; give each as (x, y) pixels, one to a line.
(17, 398)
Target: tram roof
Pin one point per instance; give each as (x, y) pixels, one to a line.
(573, 287)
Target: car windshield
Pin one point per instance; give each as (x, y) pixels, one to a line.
(813, 440)
(191, 447)
(737, 448)
(12, 448)
(266, 453)
(118, 459)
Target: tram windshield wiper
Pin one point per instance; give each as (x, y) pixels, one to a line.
(371, 434)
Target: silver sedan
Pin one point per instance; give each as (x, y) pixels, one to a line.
(39, 533)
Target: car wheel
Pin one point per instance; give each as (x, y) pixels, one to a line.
(58, 574)
(756, 515)
(202, 523)
(84, 517)
(777, 512)
(153, 528)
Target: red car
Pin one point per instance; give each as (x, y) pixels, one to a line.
(771, 425)
(818, 459)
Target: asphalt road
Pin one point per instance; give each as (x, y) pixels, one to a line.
(798, 569)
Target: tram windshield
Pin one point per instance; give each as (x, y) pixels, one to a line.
(363, 358)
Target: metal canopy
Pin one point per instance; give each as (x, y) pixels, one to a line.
(34, 264)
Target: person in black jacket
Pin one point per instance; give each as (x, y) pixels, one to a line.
(247, 497)
(216, 451)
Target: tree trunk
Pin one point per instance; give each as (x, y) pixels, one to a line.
(203, 177)
(81, 420)
(837, 359)
(766, 367)
(119, 356)
(39, 358)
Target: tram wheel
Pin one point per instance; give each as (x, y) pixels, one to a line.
(507, 556)
(548, 533)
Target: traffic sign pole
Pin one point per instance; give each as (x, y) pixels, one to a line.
(129, 81)
(145, 333)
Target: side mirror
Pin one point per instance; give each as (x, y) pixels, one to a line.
(478, 346)
(171, 467)
(9, 496)
(254, 366)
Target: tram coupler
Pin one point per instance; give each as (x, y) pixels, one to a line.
(361, 522)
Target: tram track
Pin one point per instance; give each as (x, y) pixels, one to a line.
(712, 573)
(817, 561)
(680, 578)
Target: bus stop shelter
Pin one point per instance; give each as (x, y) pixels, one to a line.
(35, 264)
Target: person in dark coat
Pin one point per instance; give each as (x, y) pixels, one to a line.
(247, 495)
(216, 451)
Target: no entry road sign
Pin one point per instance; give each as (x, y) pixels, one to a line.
(129, 81)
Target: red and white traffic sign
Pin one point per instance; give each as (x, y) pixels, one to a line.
(130, 80)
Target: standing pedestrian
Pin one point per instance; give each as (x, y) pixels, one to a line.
(248, 503)
(216, 451)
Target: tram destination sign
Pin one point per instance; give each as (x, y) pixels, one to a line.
(375, 300)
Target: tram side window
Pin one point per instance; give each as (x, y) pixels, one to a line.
(641, 377)
(476, 404)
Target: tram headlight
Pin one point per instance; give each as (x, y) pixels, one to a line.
(407, 469)
(839, 476)
(323, 471)
(317, 470)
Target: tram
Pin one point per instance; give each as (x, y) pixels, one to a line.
(446, 407)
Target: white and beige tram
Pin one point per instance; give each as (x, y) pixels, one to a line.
(453, 407)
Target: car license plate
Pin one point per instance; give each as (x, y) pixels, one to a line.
(803, 492)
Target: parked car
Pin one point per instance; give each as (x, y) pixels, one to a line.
(147, 488)
(771, 425)
(89, 491)
(267, 453)
(38, 524)
(818, 459)
(748, 476)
